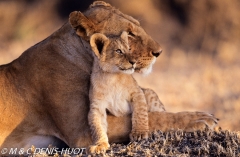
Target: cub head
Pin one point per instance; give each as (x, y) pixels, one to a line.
(112, 54)
(102, 18)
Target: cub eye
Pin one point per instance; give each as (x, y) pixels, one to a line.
(119, 51)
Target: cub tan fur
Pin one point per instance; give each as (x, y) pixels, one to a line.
(115, 90)
(45, 92)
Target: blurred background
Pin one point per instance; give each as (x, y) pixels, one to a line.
(199, 69)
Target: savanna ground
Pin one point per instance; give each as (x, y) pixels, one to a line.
(199, 68)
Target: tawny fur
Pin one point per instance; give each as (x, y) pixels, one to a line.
(45, 92)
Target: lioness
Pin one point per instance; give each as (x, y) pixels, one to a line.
(114, 89)
(44, 92)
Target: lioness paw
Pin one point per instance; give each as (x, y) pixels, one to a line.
(99, 149)
(138, 135)
(201, 121)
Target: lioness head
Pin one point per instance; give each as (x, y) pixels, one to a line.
(112, 53)
(102, 18)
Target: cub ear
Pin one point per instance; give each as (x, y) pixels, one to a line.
(124, 36)
(99, 43)
(83, 26)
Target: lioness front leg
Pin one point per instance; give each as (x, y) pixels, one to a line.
(187, 121)
(139, 117)
(98, 125)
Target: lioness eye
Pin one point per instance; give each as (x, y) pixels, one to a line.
(130, 33)
(119, 51)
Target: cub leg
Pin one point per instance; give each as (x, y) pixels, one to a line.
(153, 102)
(97, 119)
(139, 117)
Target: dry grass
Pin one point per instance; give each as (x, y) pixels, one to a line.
(176, 144)
(179, 143)
(198, 70)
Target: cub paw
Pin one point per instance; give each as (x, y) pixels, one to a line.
(99, 148)
(138, 135)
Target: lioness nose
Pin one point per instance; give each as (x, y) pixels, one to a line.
(132, 62)
(156, 54)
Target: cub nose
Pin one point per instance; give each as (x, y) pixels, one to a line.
(156, 54)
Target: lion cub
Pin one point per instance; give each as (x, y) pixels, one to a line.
(113, 89)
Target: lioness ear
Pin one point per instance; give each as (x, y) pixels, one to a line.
(100, 3)
(99, 43)
(124, 36)
(83, 26)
